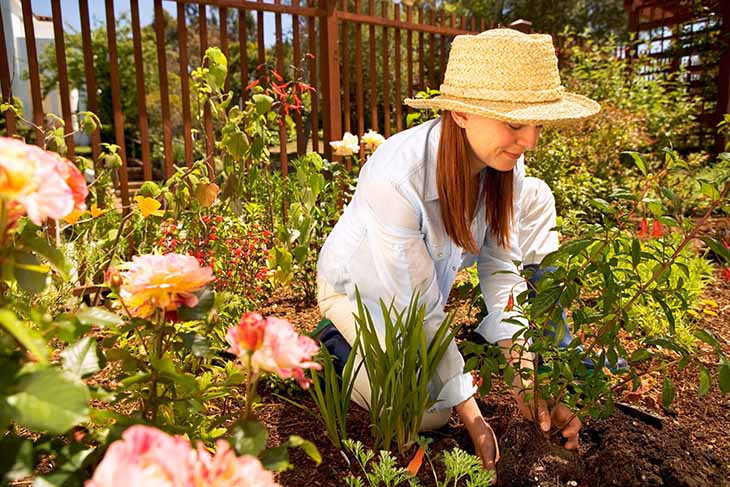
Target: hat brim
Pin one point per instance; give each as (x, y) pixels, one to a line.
(570, 108)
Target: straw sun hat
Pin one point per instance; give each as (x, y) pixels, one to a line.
(507, 75)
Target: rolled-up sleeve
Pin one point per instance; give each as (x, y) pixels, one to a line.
(499, 276)
(402, 266)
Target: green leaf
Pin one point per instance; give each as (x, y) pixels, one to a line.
(17, 459)
(200, 311)
(636, 158)
(718, 248)
(41, 247)
(197, 344)
(99, 317)
(640, 355)
(709, 190)
(708, 338)
(723, 377)
(263, 103)
(29, 273)
(81, 358)
(276, 459)
(705, 381)
(635, 252)
(249, 438)
(667, 393)
(307, 446)
(30, 338)
(50, 401)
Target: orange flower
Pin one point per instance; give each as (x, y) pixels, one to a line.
(510, 302)
(96, 211)
(148, 206)
(73, 217)
(656, 229)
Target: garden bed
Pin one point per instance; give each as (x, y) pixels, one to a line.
(689, 446)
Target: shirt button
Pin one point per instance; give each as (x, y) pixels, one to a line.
(441, 254)
(453, 268)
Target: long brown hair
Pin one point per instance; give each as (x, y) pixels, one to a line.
(458, 190)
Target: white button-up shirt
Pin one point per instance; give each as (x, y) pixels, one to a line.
(391, 242)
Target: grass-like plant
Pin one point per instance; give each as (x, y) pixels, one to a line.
(332, 393)
(399, 369)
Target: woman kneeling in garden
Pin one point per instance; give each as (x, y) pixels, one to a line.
(451, 192)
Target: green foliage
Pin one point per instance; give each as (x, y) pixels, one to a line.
(617, 283)
(332, 393)
(400, 368)
(637, 113)
(461, 465)
(315, 193)
(381, 472)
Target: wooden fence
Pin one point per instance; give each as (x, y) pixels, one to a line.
(425, 35)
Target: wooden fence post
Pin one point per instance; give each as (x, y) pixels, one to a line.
(330, 63)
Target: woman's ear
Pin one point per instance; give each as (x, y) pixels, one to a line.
(460, 118)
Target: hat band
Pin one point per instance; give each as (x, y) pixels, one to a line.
(485, 94)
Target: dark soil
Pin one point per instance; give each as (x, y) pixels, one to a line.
(688, 445)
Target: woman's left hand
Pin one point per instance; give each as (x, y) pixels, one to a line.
(485, 442)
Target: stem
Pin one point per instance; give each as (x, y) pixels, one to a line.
(156, 354)
(115, 245)
(251, 381)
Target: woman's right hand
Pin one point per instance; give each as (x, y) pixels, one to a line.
(559, 417)
(484, 439)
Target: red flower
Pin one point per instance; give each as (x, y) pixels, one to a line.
(644, 231)
(726, 274)
(510, 302)
(248, 335)
(656, 229)
(252, 84)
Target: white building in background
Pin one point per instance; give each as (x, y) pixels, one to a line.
(18, 55)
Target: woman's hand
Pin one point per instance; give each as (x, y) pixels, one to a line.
(485, 442)
(560, 417)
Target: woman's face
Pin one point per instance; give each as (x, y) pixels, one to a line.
(495, 143)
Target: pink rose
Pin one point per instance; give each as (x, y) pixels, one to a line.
(162, 282)
(248, 336)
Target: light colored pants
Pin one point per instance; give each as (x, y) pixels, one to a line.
(537, 218)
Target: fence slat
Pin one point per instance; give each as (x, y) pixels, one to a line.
(63, 89)
(164, 95)
(283, 155)
(207, 119)
(398, 99)
(5, 85)
(346, 78)
(111, 32)
(386, 73)
(91, 101)
(35, 82)
(297, 54)
(421, 53)
(313, 70)
(431, 50)
(243, 48)
(329, 60)
(409, 50)
(141, 99)
(260, 37)
(359, 99)
(182, 35)
(373, 72)
(442, 47)
(223, 28)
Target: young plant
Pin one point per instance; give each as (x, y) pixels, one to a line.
(400, 369)
(600, 276)
(383, 472)
(332, 393)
